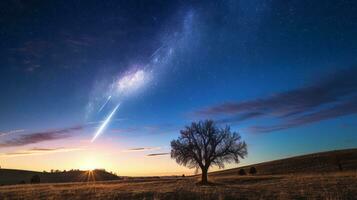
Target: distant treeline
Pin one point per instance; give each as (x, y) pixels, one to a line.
(77, 170)
(11, 176)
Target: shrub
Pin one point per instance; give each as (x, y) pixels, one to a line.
(242, 172)
(252, 170)
(35, 179)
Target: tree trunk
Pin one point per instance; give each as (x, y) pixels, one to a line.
(204, 176)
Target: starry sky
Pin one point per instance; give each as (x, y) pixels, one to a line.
(282, 74)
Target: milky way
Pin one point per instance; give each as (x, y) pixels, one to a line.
(138, 76)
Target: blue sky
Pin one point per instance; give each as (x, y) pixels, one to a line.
(280, 73)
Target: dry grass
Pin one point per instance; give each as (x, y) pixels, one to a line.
(302, 186)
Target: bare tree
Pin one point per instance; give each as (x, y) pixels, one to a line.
(203, 145)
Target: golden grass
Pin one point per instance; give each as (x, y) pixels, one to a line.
(302, 186)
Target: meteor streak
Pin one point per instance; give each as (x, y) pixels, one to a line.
(107, 120)
(125, 85)
(106, 102)
(137, 76)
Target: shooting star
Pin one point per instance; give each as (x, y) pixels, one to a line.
(106, 102)
(126, 84)
(106, 121)
(140, 75)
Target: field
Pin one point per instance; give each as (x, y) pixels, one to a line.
(332, 175)
(326, 186)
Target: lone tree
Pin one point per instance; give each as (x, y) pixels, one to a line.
(203, 145)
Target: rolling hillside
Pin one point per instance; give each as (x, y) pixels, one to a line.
(331, 161)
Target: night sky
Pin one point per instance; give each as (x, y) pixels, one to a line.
(281, 73)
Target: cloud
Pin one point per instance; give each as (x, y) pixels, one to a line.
(330, 97)
(34, 54)
(33, 48)
(342, 109)
(244, 116)
(142, 149)
(11, 132)
(31, 53)
(157, 154)
(39, 151)
(37, 137)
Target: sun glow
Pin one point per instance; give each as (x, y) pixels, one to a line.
(89, 165)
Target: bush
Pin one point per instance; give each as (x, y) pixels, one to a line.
(252, 170)
(242, 172)
(35, 179)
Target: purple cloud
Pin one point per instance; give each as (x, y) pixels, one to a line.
(37, 137)
(331, 97)
(142, 149)
(157, 154)
(38, 151)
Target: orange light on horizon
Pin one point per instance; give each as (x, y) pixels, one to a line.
(89, 164)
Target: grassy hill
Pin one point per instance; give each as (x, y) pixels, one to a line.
(13, 176)
(323, 162)
(326, 175)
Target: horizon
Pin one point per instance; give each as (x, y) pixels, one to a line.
(177, 173)
(109, 85)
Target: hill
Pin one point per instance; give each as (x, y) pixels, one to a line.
(322, 162)
(326, 175)
(13, 176)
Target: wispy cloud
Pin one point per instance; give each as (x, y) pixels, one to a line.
(341, 109)
(39, 151)
(157, 154)
(12, 132)
(31, 53)
(37, 137)
(142, 149)
(328, 98)
(34, 54)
